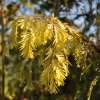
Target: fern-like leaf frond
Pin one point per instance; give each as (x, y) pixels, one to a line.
(27, 45)
(93, 83)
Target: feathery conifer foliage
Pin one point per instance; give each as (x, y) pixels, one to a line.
(93, 83)
(50, 39)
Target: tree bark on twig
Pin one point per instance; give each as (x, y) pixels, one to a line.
(3, 57)
(56, 5)
(20, 95)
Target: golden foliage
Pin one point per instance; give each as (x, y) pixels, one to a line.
(33, 33)
(93, 83)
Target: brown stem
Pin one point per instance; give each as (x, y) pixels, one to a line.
(20, 95)
(56, 5)
(3, 57)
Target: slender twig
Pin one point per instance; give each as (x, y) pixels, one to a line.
(3, 57)
(20, 95)
(56, 5)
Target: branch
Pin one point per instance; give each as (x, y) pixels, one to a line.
(56, 5)
(91, 44)
(3, 57)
